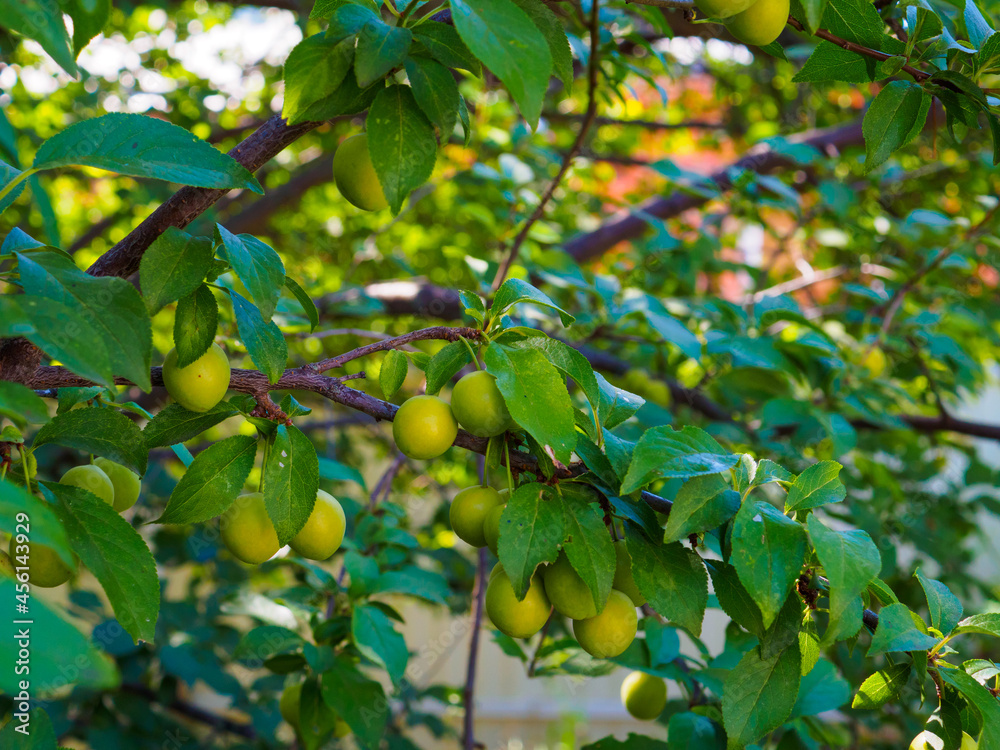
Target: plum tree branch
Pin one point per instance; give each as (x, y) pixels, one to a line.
(440, 333)
(469, 691)
(593, 67)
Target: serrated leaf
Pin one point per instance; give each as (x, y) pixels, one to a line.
(64, 645)
(140, 146)
(987, 623)
(401, 142)
(882, 687)
(115, 553)
(759, 694)
(536, 396)
(983, 700)
(511, 46)
(89, 19)
(890, 120)
(377, 639)
(814, 10)
(673, 579)
(196, 321)
(515, 291)
(945, 608)
(851, 560)
(308, 306)
(104, 432)
(111, 306)
(552, 29)
(828, 62)
(361, 702)
(445, 364)
(897, 631)
(255, 264)
(314, 70)
(348, 99)
(734, 599)
(21, 405)
(768, 552)
(570, 363)
(589, 547)
(701, 504)
(381, 48)
(617, 404)
(818, 485)
(263, 339)
(41, 20)
(664, 452)
(393, 372)
(45, 529)
(213, 480)
(446, 46)
(174, 266)
(435, 92)
(290, 481)
(532, 527)
(822, 689)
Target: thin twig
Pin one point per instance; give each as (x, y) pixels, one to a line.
(538, 647)
(469, 692)
(440, 333)
(588, 121)
(384, 484)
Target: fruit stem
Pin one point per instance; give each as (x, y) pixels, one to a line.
(263, 465)
(486, 463)
(510, 475)
(475, 359)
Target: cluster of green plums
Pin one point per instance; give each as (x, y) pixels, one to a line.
(756, 22)
(113, 483)
(246, 528)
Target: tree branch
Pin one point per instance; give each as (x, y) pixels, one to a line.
(468, 693)
(761, 159)
(593, 64)
(439, 333)
(190, 202)
(191, 711)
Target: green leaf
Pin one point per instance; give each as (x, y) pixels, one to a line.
(552, 29)
(263, 339)
(588, 545)
(255, 264)
(672, 578)
(317, 722)
(890, 120)
(435, 92)
(45, 527)
(308, 306)
(858, 21)
(985, 624)
(378, 640)
(348, 99)
(664, 452)
(290, 481)
(174, 266)
(381, 48)
(359, 701)
(64, 645)
(823, 689)
(338, 472)
(115, 553)
(570, 363)
(104, 432)
(984, 701)
(402, 143)
(617, 404)
(882, 687)
(759, 694)
(41, 20)
(21, 405)
(323, 8)
(445, 364)
(414, 581)
(734, 599)
(140, 146)
(446, 46)
(944, 606)
(515, 291)
(851, 560)
(39, 736)
(110, 305)
(213, 480)
(688, 729)
(976, 25)
(701, 504)
(89, 19)
(532, 527)
(393, 372)
(7, 175)
(814, 10)
(536, 396)
(769, 549)
(818, 485)
(196, 322)
(314, 70)
(511, 46)
(266, 641)
(897, 631)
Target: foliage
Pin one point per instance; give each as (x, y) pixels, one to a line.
(786, 452)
